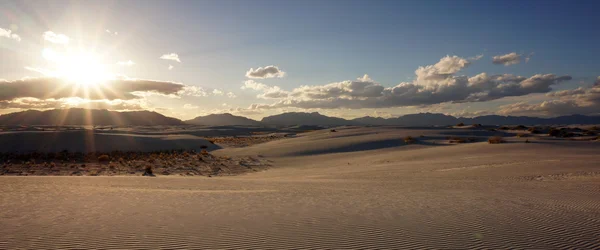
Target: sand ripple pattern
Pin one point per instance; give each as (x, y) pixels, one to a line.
(298, 216)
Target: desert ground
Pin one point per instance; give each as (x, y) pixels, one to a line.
(341, 188)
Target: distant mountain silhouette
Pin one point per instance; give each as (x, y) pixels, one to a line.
(300, 118)
(429, 119)
(424, 119)
(78, 116)
(223, 120)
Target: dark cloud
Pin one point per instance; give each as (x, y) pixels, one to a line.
(576, 101)
(57, 88)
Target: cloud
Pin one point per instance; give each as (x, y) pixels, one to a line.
(74, 102)
(122, 88)
(583, 100)
(56, 38)
(269, 92)
(9, 34)
(171, 56)
(434, 84)
(231, 95)
(126, 63)
(475, 58)
(508, 59)
(170, 67)
(528, 57)
(251, 84)
(217, 92)
(190, 106)
(192, 91)
(265, 72)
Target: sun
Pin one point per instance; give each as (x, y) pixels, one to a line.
(78, 67)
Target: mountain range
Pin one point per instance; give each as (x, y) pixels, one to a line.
(223, 120)
(76, 116)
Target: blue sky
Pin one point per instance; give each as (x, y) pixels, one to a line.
(315, 43)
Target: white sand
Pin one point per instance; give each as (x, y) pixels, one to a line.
(358, 188)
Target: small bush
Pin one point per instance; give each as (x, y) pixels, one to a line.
(103, 158)
(409, 139)
(460, 124)
(504, 128)
(332, 130)
(520, 127)
(148, 171)
(495, 140)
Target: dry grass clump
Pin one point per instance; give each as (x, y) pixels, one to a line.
(496, 140)
(103, 158)
(409, 140)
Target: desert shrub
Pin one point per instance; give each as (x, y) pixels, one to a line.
(560, 133)
(148, 170)
(504, 128)
(103, 158)
(460, 124)
(204, 152)
(520, 127)
(332, 130)
(409, 139)
(495, 140)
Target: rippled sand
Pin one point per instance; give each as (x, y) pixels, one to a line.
(353, 189)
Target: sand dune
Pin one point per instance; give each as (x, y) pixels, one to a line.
(356, 188)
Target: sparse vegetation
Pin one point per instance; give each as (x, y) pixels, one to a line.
(409, 140)
(332, 130)
(460, 124)
(496, 140)
(104, 158)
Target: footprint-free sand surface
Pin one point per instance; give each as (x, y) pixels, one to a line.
(357, 188)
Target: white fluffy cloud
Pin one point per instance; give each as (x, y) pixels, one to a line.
(56, 38)
(9, 34)
(265, 72)
(269, 92)
(434, 84)
(171, 56)
(508, 59)
(217, 92)
(231, 95)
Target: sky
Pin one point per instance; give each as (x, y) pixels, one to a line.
(340, 58)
